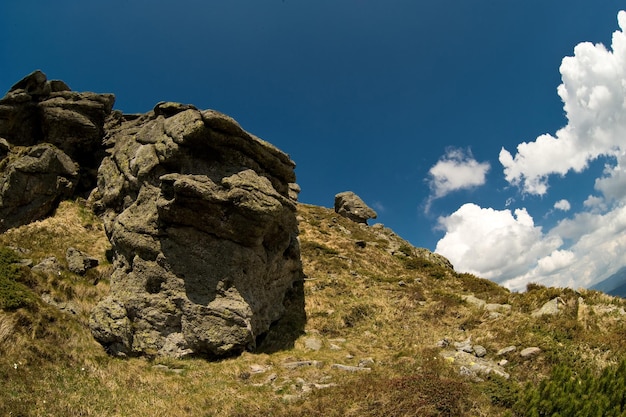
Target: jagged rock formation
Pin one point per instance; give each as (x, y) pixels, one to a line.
(350, 205)
(204, 230)
(32, 182)
(47, 132)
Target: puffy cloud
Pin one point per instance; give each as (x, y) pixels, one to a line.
(563, 205)
(495, 244)
(595, 204)
(509, 249)
(613, 184)
(456, 170)
(590, 245)
(594, 96)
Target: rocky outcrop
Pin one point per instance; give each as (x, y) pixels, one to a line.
(32, 182)
(204, 232)
(350, 205)
(47, 132)
(79, 262)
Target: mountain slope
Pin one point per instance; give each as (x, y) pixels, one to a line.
(380, 326)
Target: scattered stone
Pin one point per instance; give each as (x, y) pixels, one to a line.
(324, 386)
(503, 362)
(300, 364)
(350, 206)
(349, 368)
(79, 262)
(313, 343)
(259, 369)
(366, 362)
(49, 265)
(480, 351)
(443, 343)
(498, 308)
(464, 346)
(66, 307)
(506, 350)
(474, 301)
(472, 366)
(164, 368)
(335, 347)
(530, 351)
(549, 309)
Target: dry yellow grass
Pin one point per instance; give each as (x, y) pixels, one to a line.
(365, 300)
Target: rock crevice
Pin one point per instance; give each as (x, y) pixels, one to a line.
(201, 219)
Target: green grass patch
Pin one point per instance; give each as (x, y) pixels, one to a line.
(13, 294)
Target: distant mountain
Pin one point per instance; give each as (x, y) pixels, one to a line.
(614, 284)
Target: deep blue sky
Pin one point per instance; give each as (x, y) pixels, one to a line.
(364, 95)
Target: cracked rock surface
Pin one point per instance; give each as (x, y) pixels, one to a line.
(201, 217)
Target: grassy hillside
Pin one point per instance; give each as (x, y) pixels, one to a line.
(382, 318)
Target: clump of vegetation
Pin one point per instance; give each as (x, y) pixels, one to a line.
(13, 293)
(483, 288)
(576, 392)
(319, 248)
(428, 390)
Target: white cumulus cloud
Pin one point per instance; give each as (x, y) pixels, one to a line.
(496, 244)
(593, 91)
(590, 245)
(563, 205)
(509, 249)
(456, 170)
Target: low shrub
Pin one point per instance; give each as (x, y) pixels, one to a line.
(13, 294)
(576, 393)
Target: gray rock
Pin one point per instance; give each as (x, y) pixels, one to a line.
(506, 350)
(498, 308)
(36, 111)
(471, 366)
(300, 364)
(471, 299)
(464, 346)
(79, 262)
(548, 309)
(49, 265)
(313, 343)
(32, 182)
(366, 362)
(480, 351)
(530, 351)
(204, 232)
(349, 205)
(349, 368)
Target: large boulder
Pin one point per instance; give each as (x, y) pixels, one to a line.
(350, 205)
(204, 232)
(33, 180)
(36, 111)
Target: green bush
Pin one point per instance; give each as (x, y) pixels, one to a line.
(13, 294)
(582, 393)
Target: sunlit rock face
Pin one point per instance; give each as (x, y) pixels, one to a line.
(50, 146)
(201, 217)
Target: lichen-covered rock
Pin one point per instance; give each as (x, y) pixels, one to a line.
(350, 205)
(204, 232)
(36, 111)
(32, 182)
(79, 262)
